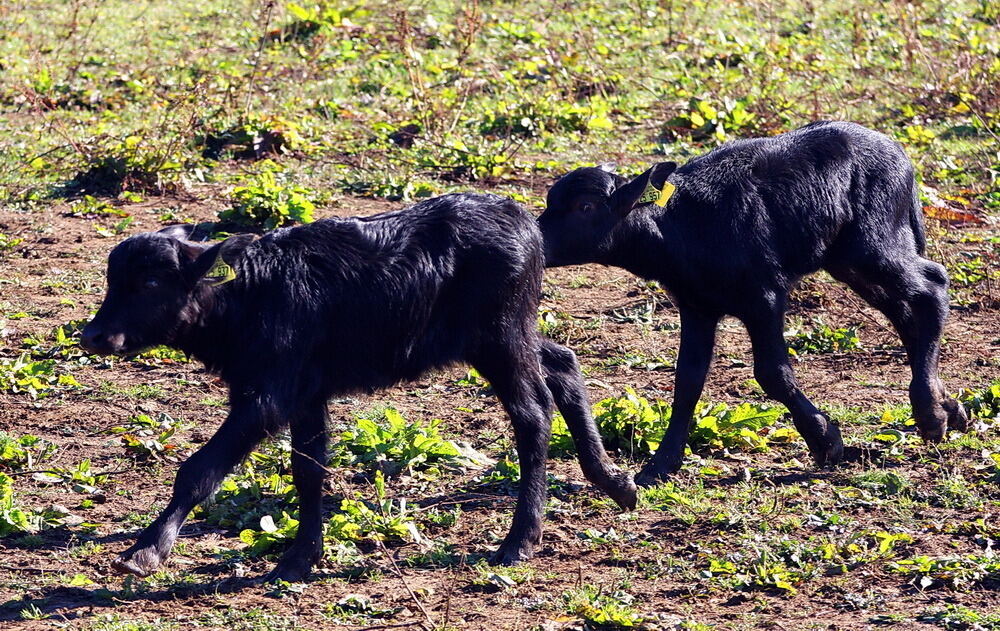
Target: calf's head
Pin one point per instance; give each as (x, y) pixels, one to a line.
(154, 282)
(584, 206)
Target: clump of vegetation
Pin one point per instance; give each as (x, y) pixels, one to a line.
(8, 243)
(23, 452)
(249, 501)
(704, 120)
(148, 438)
(606, 610)
(959, 618)
(392, 445)
(13, 519)
(822, 339)
(639, 361)
(666, 495)
(385, 519)
(784, 563)
(982, 404)
(253, 137)
(505, 473)
(550, 322)
(36, 378)
(262, 487)
(135, 163)
(633, 425)
(969, 272)
(487, 576)
(630, 423)
(537, 118)
(313, 20)
(472, 379)
(473, 159)
(386, 186)
(90, 207)
(745, 427)
(953, 572)
(265, 203)
(885, 484)
(63, 343)
(80, 479)
(16, 520)
(356, 609)
(763, 573)
(269, 535)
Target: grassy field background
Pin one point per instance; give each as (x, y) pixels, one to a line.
(119, 117)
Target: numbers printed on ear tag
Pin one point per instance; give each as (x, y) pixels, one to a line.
(220, 273)
(655, 195)
(651, 194)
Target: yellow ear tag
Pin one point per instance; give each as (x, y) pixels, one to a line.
(220, 273)
(655, 195)
(651, 194)
(668, 190)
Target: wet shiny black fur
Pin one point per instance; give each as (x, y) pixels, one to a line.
(344, 305)
(745, 223)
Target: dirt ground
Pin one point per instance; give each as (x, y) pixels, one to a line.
(657, 557)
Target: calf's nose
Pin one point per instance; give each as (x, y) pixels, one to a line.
(92, 339)
(100, 342)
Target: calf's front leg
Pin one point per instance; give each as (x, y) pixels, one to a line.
(197, 478)
(773, 372)
(309, 441)
(693, 361)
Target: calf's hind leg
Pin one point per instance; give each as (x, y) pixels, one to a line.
(565, 382)
(517, 382)
(913, 294)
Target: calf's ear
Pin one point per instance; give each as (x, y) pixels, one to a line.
(642, 190)
(181, 231)
(215, 264)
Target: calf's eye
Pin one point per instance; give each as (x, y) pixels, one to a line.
(151, 283)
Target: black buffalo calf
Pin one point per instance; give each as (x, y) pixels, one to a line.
(344, 305)
(731, 232)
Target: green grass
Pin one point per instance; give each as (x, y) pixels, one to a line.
(275, 118)
(673, 78)
(108, 390)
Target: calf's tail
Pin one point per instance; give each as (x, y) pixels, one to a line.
(917, 221)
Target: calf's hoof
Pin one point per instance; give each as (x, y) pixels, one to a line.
(932, 425)
(289, 572)
(295, 564)
(512, 553)
(651, 477)
(957, 418)
(622, 490)
(138, 561)
(827, 448)
(657, 472)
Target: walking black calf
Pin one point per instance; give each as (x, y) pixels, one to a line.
(343, 305)
(731, 232)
